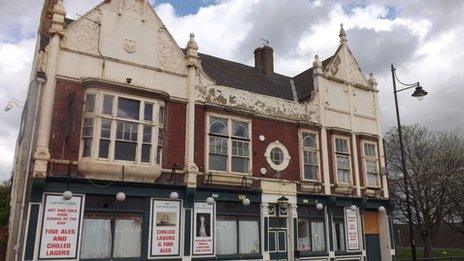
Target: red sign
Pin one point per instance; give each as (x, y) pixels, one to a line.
(165, 228)
(60, 227)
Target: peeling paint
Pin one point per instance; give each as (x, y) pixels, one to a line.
(209, 92)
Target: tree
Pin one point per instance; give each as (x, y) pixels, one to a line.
(456, 215)
(432, 160)
(5, 187)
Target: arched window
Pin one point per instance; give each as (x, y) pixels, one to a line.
(227, 133)
(310, 153)
(218, 126)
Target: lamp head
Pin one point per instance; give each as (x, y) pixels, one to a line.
(8, 106)
(210, 200)
(41, 77)
(174, 195)
(246, 201)
(419, 93)
(67, 195)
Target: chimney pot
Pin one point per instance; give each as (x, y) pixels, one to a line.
(264, 59)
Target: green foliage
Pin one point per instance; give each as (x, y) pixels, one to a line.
(5, 188)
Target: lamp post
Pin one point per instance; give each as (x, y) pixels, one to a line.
(418, 93)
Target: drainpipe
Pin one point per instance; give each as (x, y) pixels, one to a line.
(41, 78)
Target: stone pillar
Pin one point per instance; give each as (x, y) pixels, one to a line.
(292, 232)
(265, 216)
(385, 243)
(42, 153)
(191, 168)
(356, 169)
(317, 76)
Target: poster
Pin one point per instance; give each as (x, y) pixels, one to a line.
(352, 232)
(60, 227)
(165, 237)
(203, 234)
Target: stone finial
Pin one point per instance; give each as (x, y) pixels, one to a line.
(317, 63)
(342, 35)
(372, 81)
(192, 47)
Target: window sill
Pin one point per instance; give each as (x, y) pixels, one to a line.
(311, 186)
(223, 178)
(94, 169)
(307, 253)
(344, 188)
(373, 191)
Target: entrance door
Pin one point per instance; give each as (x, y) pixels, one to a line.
(373, 247)
(277, 238)
(371, 229)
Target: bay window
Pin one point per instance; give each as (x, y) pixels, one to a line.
(311, 229)
(117, 127)
(229, 145)
(371, 163)
(342, 160)
(310, 155)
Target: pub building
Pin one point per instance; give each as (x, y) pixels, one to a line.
(134, 148)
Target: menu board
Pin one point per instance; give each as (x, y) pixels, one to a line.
(165, 228)
(60, 227)
(352, 231)
(203, 234)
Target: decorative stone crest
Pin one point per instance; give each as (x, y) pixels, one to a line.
(129, 45)
(334, 68)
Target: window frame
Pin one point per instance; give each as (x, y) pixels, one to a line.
(286, 156)
(237, 219)
(113, 216)
(97, 116)
(349, 154)
(230, 138)
(364, 162)
(317, 150)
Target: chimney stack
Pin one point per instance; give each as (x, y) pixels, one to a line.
(264, 59)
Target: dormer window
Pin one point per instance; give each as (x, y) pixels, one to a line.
(122, 128)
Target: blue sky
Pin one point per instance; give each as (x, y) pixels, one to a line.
(422, 38)
(185, 7)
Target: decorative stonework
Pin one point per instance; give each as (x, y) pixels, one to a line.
(133, 6)
(171, 57)
(82, 34)
(129, 45)
(335, 64)
(260, 104)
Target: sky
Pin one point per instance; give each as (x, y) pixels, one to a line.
(423, 38)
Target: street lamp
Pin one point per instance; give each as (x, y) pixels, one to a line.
(418, 93)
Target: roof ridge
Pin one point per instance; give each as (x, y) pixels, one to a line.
(241, 64)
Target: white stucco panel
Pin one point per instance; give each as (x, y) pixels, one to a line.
(130, 31)
(364, 102)
(337, 95)
(265, 105)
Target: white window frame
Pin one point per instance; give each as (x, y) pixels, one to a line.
(377, 160)
(334, 146)
(317, 150)
(98, 115)
(286, 156)
(229, 120)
